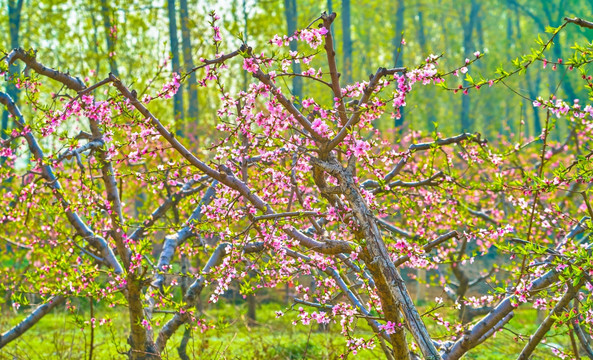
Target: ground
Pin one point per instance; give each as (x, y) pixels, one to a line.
(58, 336)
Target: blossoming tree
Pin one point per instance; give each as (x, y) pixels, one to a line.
(294, 190)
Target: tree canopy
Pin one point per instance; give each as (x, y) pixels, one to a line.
(156, 157)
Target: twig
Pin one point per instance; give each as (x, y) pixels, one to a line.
(580, 22)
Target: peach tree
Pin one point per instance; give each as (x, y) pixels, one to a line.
(106, 201)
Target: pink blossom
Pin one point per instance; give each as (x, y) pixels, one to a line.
(250, 65)
(360, 148)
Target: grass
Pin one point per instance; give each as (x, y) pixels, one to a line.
(59, 336)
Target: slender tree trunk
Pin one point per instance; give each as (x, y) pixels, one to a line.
(290, 10)
(421, 32)
(505, 121)
(109, 37)
(532, 87)
(398, 52)
(251, 308)
(468, 29)
(346, 43)
(95, 39)
(175, 65)
(480, 36)
(182, 349)
(92, 335)
(14, 18)
(188, 61)
(533, 92)
(330, 9)
(562, 8)
(431, 118)
(557, 48)
(398, 36)
(246, 36)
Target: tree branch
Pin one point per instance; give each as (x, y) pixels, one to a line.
(29, 58)
(195, 289)
(436, 242)
(580, 22)
(470, 339)
(364, 99)
(545, 326)
(47, 172)
(333, 69)
(30, 320)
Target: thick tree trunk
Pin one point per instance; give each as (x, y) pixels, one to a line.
(142, 345)
(390, 285)
(506, 121)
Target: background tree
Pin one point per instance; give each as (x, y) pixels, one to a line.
(191, 85)
(14, 18)
(178, 110)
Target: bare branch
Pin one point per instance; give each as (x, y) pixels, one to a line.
(30, 320)
(496, 327)
(91, 145)
(448, 141)
(28, 57)
(163, 208)
(580, 22)
(173, 241)
(333, 70)
(422, 146)
(218, 60)
(394, 229)
(545, 326)
(11, 242)
(481, 215)
(431, 181)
